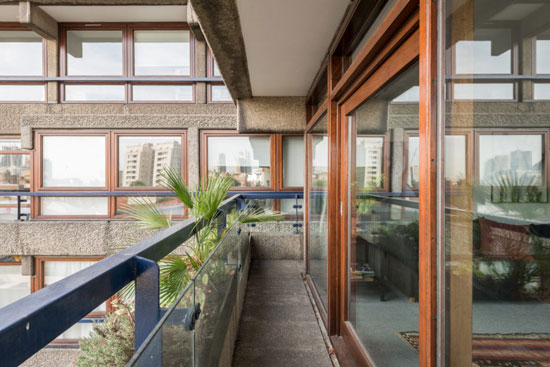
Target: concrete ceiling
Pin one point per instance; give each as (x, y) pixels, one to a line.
(286, 41)
(79, 13)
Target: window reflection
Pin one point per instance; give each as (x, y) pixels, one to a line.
(162, 93)
(169, 206)
(13, 285)
(142, 160)
(20, 53)
(220, 93)
(71, 206)
(369, 162)
(245, 158)
(162, 52)
(22, 93)
(86, 92)
(94, 52)
(15, 171)
(496, 224)
(83, 167)
(293, 161)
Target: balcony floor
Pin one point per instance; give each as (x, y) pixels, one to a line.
(278, 326)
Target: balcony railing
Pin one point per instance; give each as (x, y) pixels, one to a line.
(29, 324)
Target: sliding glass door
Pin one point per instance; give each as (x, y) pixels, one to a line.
(496, 237)
(382, 266)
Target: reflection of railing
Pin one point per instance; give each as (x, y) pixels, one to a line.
(29, 324)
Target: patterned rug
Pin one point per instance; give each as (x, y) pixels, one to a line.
(502, 350)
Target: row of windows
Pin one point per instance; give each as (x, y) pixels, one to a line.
(487, 155)
(133, 161)
(143, 51)
(48, 270)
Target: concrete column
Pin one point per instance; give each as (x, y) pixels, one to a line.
(193, 156)
(53, 70)
(201, 66)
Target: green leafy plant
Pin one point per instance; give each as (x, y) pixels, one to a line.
(111, 343)
(202, 202)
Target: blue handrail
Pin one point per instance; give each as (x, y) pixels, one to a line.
(29, 324)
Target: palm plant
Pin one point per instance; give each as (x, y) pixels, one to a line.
(202, 202)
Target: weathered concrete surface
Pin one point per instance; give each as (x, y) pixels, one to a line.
(276, 246)
(272, 114)
(221, 26)
(49, 357)
(68, 238)
(36, 19)
(278, 325)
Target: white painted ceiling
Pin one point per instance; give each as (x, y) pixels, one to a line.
(286, 41)
(104, 13)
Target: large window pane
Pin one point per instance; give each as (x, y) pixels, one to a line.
(383, 231)
(293, 161)
(496, 225)
(95, 93)
(94, 52)
(170, 206)
(317, 244)
(15, 171)
(58, 270)
(162, 93)
(142, 159)
(73, 161)
(22, 93)
(67, 206)
(245, 158)
(13, 285)
(20, 53)
(162, 52)
(220, 93)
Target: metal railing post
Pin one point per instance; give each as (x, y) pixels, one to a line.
(147, 312)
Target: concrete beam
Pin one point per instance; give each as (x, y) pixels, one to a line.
(221, 26)
(272, 114)
(193, 22)
(37, 20)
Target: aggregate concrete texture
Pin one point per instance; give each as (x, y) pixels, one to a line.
(221, 26)
(48, 357)
(278, 325)
(272, 114)
(277, 246)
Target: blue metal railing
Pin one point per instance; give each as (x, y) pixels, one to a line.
(29, 324)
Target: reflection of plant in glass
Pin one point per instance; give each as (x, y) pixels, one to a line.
(514, 188)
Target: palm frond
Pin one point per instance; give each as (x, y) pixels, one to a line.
(148, 214)
(259, 216)
(174, 272)
(171, 179)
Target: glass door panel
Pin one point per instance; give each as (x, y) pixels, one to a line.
(383, 223)
(318, 154)
(496, 240)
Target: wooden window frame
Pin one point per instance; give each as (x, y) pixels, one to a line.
(111, 169)
(128, 58)
(210, 65)
(11, 26)
(37, 283)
